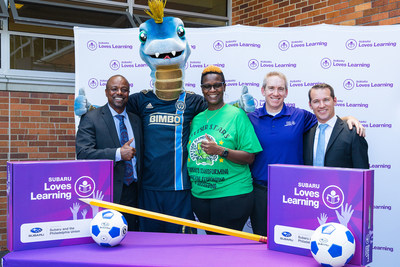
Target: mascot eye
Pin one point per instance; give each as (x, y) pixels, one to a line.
(143, 36)
(180, 31)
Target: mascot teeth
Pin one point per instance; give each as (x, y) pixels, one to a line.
(169, 55)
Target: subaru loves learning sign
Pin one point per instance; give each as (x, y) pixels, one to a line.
(301, 198)
(44, 209)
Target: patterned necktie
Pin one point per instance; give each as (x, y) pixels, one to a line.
(123, 132)
(320, 154)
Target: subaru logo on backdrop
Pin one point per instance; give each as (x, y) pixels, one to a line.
(93, 83)
(218, 45)
(253, 64)
(91, 45)
(348, 84)
(114, 64)
(283, 45)
(351, 44)
(326, 63)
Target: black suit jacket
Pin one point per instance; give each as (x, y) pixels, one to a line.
(97, 138)
(345, 148)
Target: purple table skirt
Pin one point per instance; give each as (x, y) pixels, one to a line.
(157, 249)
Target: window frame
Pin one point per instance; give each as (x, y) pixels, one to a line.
(47, 81)
(63, 24)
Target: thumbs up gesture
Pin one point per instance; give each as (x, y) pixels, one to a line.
(210, 147)
(127, 152)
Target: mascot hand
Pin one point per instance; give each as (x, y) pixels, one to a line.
(81, 104)
(246, 100)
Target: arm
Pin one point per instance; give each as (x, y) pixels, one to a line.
(236, 156)
(353, 121)
(86, 141)
(359, 150)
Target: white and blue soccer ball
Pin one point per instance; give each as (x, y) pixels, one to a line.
(108, 228)
(332, 244)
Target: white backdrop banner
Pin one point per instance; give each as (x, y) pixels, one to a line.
(361, 63)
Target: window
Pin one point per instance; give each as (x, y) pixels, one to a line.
(42, 54)
(37, 45)
(58, 14)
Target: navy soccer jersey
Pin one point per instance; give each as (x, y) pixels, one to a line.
(166, 126)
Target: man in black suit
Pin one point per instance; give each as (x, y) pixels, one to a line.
(98, 137)
(330, 142)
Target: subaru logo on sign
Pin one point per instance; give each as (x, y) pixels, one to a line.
(218, 45)
(253, 64)
(91, 45)
(351, 44)
(114, 64)
(284, 45)
(36, 230)
(286, 234)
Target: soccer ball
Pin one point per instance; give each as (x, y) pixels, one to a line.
(332, 244)
(108, 228)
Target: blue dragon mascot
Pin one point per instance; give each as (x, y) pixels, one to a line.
(166, 113)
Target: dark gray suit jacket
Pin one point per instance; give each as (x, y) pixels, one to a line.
(345, 148)
(97, 138)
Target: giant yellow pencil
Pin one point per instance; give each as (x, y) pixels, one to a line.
(172, 219)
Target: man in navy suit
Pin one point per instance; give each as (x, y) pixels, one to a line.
(98, 137)
(330, 142)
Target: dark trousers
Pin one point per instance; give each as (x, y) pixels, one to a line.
(174, 203)
(230, 212)
(129, 197)
(258, 217)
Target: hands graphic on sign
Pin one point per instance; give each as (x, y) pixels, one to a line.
(323, 218)
(84, 212)
(345, 215)
(99, 196)
(74, 209)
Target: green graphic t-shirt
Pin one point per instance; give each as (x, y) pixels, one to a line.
(213, 176)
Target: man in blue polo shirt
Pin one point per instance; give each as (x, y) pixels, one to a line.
(280, 130)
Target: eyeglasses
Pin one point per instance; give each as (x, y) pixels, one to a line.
(208, 87)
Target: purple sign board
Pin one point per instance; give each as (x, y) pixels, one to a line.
(301, 198)
(44, 209)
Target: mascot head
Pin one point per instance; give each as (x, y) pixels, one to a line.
(165, 50)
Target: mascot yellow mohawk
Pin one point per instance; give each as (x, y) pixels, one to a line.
(156, 10)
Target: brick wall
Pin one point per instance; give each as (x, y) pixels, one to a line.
(292, 13)
(33, 126)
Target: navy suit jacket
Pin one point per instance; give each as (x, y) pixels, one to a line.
(97, 138)
(345, 148)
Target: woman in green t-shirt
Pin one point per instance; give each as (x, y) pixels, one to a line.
(221, 146)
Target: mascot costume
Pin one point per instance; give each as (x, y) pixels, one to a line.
(166, 114)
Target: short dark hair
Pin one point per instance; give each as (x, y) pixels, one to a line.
(321, 86)
(117, 75)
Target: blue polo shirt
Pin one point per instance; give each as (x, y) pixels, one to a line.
(281, 137)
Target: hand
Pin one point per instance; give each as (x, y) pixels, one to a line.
(74, 209)
(210, 147)
(345, 215)
(323, 219)
(99, 196)
(246, 100)
(84, 212)
(359, 127)
(127, 152)
(81, 104)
